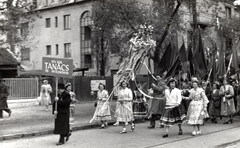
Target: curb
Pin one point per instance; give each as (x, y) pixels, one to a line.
(46, 132)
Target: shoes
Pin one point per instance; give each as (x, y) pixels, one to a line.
(161, 126)
(180, 132)
(199, 133)
(194, 133)
(231, 121)
(69, 134)
(226, 122)
(106, 124)
(165, 135)
(116, 124)
(132, 127)
(103, 126)
(9, 114)
(123, 132)
(60, 143)
(46, 109)
(151, 126)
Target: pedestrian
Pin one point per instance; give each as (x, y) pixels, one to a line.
(4, 92)
(173, 112)
(197, 110)
(139, 104)
(227, 101)
(102, 112)
(215, 103)
(62, 114)
(68, 87)
(45, 97)
(124, 112)
(157, 103)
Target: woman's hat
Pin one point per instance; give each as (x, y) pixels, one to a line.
(172, 80)
(194, 79)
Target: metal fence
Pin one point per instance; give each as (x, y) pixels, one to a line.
(22, 88)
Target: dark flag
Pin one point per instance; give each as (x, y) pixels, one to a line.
(234, 63)
(174, 69)
(167, 60)
(190, 59)
(220, 65)
(199, 61)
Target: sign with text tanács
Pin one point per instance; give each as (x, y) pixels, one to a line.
(57, 67)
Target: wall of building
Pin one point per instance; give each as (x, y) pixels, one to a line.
(41, 36)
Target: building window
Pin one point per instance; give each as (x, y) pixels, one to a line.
(48, 47)
(86, 51)
(66, 20)
(228, 12)
(25, 54)
(88, 60)
(24, 30)
(57, 49)
(56, 22)
(48, 22)
(67, 50)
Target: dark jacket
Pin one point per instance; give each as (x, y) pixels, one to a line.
(62, 121)
(4, 92)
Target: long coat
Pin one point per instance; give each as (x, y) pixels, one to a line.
(62, 121)
(4, 92)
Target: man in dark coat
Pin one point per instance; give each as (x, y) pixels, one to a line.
(62, 114)
(4, 92)
(157, 104)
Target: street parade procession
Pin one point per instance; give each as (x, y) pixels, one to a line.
(135, 73)
(173, 98)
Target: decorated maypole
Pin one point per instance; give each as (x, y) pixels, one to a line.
(140, 46)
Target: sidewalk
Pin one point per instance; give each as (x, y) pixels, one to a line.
(34, 120)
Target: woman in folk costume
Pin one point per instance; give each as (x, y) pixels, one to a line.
(124, 112)
(46, 89)
(173, 112)
(139, 104)
(227, 101)
(102, 111)
(215, 103)
(68, 87)
(197, 110)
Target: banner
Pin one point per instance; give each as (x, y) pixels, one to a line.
(57, 67)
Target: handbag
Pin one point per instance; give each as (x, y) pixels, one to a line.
(95, 104)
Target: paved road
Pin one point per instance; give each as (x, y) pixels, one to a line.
(214, 135)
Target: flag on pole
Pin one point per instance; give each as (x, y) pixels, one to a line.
(234, 62)
(199, 60)
(167, 60)
(221, 68)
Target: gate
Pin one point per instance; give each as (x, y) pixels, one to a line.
(22, 88)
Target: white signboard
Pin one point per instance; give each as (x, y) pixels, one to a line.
(95, 83)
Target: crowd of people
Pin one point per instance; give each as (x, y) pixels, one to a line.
(173, 102)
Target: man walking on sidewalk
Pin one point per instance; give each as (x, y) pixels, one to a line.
(62, 114)
(4, 92)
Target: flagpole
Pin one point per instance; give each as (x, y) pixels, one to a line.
(228, 69)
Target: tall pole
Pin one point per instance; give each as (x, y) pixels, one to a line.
(194, 12)
(102, 54)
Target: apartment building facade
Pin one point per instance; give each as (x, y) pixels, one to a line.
(63, 29)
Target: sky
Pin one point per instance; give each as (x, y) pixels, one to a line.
(237, 2)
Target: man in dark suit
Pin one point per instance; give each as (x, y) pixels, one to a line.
(62, 114)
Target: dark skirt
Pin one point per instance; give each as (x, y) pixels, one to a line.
(139, 109)
(157, 106)
(173, 116)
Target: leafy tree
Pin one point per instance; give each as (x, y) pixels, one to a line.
(116, 20)
(13, 14)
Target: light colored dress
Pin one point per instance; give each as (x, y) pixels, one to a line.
(124, 111)
(72, 107)
(196, 113)
(102, 111)
(45, 94)
(227, 103)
